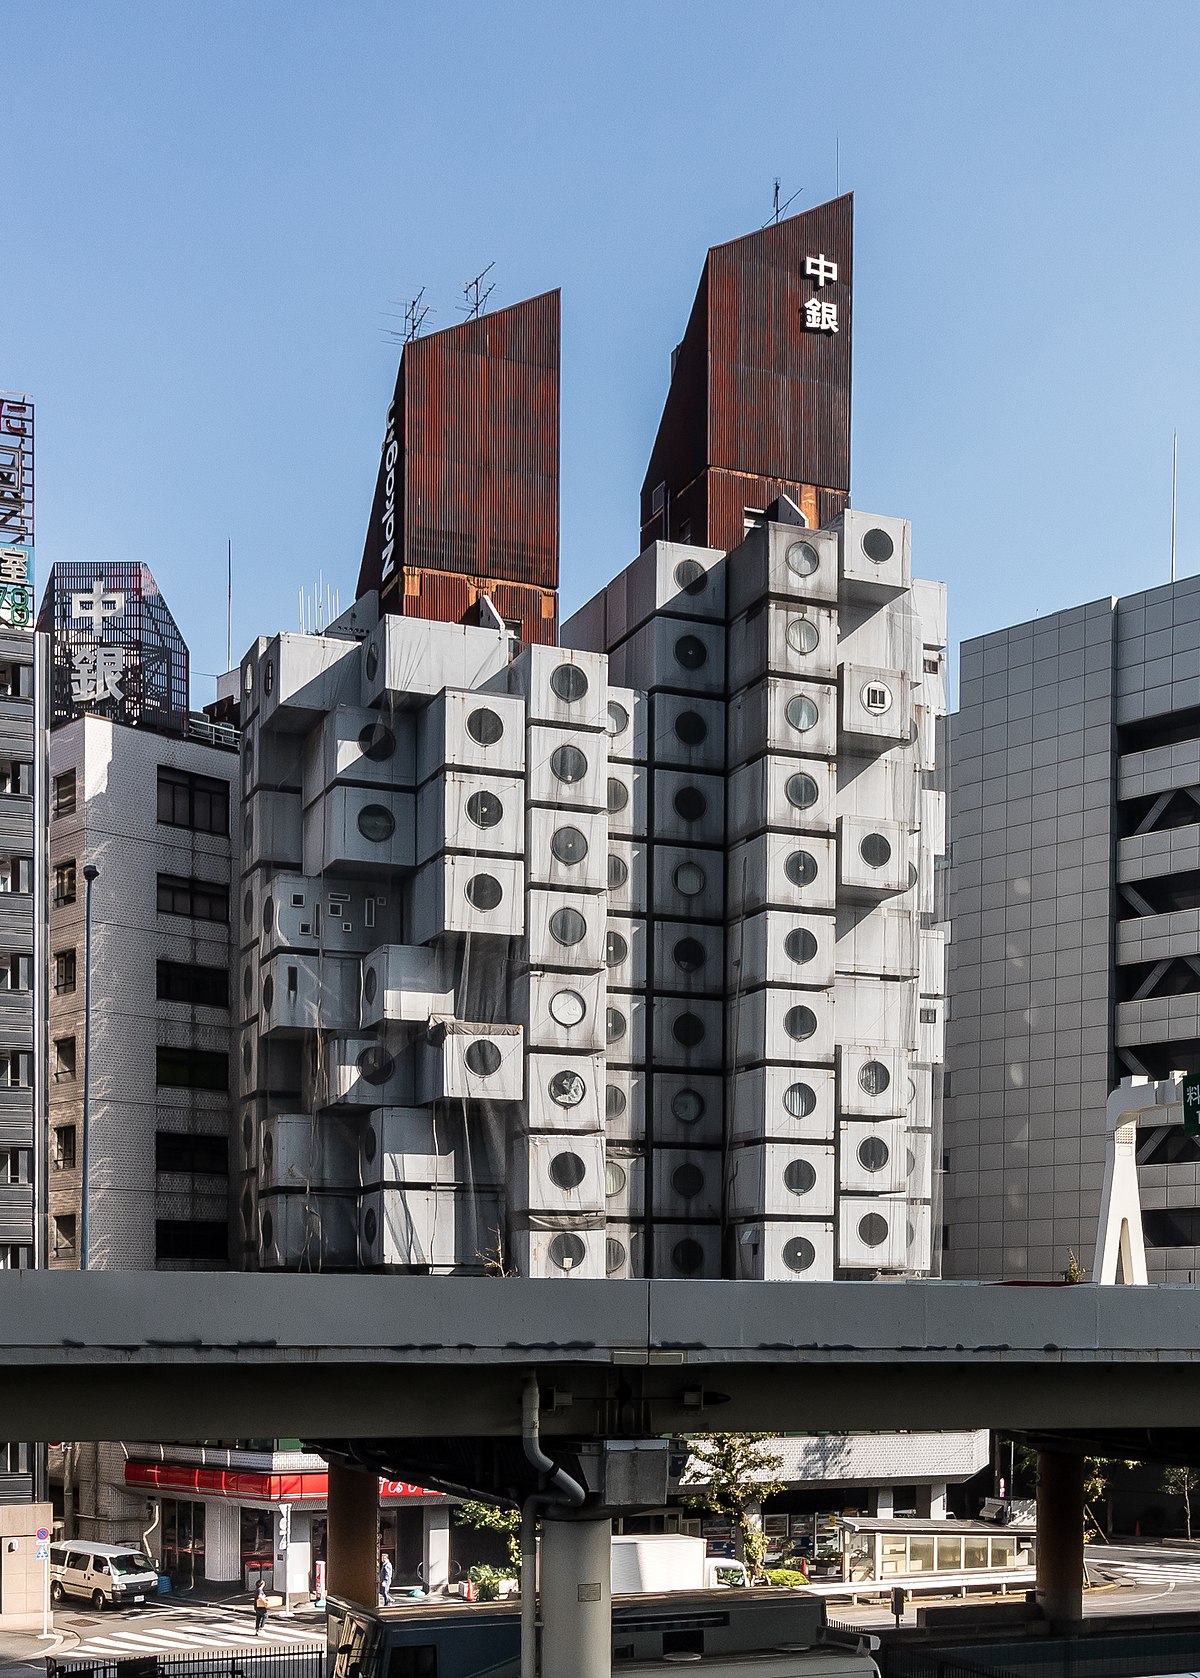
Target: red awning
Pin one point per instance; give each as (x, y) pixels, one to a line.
(237, 1483)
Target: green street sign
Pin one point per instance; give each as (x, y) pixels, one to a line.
(1191, 1103)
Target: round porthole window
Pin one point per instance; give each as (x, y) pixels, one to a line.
(567, 1007)
(371, 662)
(618, 795)
(268, 914)
(568, 764)
(248, 678)
(690, 576)
(247, 1057)
(689, 879)
(268, 993)
(567, 926)
(248, 1134)
(248, 832)
(484, 809)
(370, 1225)
(689, 954)
(482, 1058)
(615, 949)
(268, 1229)
(484, 892)
(873, 1077)
(800, 945)
(370, 1143)
(376, 823)
(566, 1089)
(370, 984)
(802, 559)
(802, 635)
(688, 1030)
(875, 850)
(691, 728)
(801, 868)
(799, 1023)
(615, 1101)
(377, 742)
(615, 1179)
(878, 546)
(799, 1176)
(614, 1025)
(802, 792)
(691, 652)
(873, 1153)
(799, 1253)
(248, 983)
(614, 1255)
(269, 677)
(248, 907)
(872, 1230)
(801, 713)
(566, 1251)
(268, 1149)
(687, 1180)
(799, 1100)
(375, 1066)
(566, 1171)
(687, 1256)
(687, 1106)
(690, 804)
(618, 717)
(569, 846)
(484, 727)
(618, 871)
(569, 682)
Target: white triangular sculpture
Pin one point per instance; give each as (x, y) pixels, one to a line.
(1119, 1241)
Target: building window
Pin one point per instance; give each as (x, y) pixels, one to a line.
(16, 681)
(63, 1233)
(64, 884)
(64, 1147)
(182, 1241)
(191, 1069)
(197, 1156)
(200, 900)
(63, 1068)
(18, 972)
(181, 981)
(64, 972)
(16, 778)
(16, 874)
(195, 801)
(63, 803)
(20, 1070)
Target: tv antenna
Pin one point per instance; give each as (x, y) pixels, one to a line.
(477, 294)
(779, 208)
(415, 312)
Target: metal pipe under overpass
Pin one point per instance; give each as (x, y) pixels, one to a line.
(352, 1534)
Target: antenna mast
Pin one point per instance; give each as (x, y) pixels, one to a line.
(477, 298)
(1174, 493)
(229, 603)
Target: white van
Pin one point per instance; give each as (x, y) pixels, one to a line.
(104, 1574)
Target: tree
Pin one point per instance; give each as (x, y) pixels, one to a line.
(490, 1517)
(1181, 1479)
(733, 1473)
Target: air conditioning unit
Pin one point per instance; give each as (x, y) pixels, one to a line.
(782, 871)
(407, 982)
(875, 553)
(300, 1151)
(785, 1250)
(567, 850)
(462, 810)
(359, 1071)
(687, 1251)
(565, 1093)
(689, 957)
(689, 883)
(786, 562)
(416, 1148)
(624, 1105)
(625, 1028)
(876, 707)
(689, 808)
(871, 1157)
(689, 1108)
(307, 1231)
(627, 798)
(461, 1061)
(783, 1104)
(686, 1183)
(777, 1023)
(798, 640)
(627, 725)
(781, 715)
(624, 1184)
(625, 952)
(566, 929)
(673, 653)
(272, 830)
(561, 1011)
(780, 1180)
(558, 1253)
(872, 1233)
(429, 1229)
(556, 1175)
(688, 1032)
(562, 686)
(687, 733)
(780, 949)
(470, 731)
(873, 1081)
(624, 1251)
(795, 795)
(367, 747)
(484, 896)
(626, 876)
(677, 580)
(876, 858)
(302, 993)
(366, 830)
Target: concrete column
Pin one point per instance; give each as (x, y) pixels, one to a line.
(931, 1501)
(222, 1541)
(880, 1503)
(352, 1535)
(576, 1588)
(1060, 1537)
(435, 1549)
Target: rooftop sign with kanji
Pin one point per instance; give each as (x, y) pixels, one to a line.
(1191, 1103)
(16, 511)
(820, 313)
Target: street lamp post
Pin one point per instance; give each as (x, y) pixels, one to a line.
(89, 874)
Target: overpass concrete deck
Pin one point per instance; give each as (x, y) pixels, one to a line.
(112, 1354)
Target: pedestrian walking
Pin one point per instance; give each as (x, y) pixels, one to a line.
(260, 1606)
(385, 1581)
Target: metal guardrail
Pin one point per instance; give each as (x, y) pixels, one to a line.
(1100, 1655)
(207, 1663)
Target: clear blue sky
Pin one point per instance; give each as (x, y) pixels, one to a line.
(211, 208)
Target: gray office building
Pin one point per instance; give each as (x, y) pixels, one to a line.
(1075, 903)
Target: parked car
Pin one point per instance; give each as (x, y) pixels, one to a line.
(103, 1574)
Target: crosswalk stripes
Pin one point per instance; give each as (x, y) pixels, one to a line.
(215, 1631)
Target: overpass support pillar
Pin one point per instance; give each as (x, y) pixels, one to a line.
(576, 1589)
(435, 1545)
(1060, 1537)
(353, 1534)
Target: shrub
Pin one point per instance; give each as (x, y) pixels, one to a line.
(486, 1581)
(788, 1577)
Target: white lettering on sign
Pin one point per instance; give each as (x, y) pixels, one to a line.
(820, 316)
(820, 269)
(391, 453)
(14, 565)
(96, 674)
(97, 604)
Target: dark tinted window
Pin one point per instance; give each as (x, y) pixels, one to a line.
(195, 801)
(191, 1069)
(198, 1155)
(200, 900)
(181, 981)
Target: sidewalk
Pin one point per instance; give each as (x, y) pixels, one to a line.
(25, 1652)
